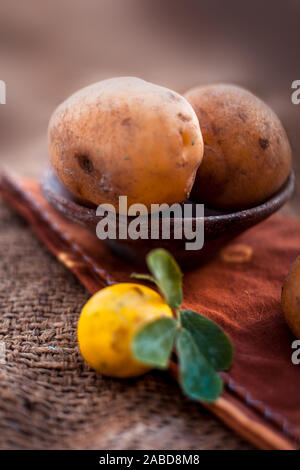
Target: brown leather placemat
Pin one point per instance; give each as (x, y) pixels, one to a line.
(261, 400)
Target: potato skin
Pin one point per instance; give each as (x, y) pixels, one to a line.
(247, 155)
(290, 298)
(125, 136)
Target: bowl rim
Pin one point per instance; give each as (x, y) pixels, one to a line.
(63, 202)
(281, 196)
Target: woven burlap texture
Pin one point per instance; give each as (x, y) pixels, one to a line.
(48, 397)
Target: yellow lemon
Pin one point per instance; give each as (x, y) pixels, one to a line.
(108, 323)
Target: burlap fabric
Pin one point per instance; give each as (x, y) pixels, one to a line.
(48, 397)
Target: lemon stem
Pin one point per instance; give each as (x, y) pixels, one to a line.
(178, 316)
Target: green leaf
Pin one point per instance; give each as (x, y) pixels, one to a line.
(167, 274)
(153, 343)
(198, 379)
(143, 277)
(209, 338)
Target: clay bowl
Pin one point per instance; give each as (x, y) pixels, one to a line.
(219, 227)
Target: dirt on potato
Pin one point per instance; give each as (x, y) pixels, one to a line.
(125, 136)
(247, 155)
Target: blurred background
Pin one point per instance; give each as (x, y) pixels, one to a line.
(49, 49)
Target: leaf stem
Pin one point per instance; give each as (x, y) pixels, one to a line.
(178, 316)
(144, 277)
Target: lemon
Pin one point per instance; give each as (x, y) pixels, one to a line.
(108, 323)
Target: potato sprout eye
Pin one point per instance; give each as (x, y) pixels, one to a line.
(85, 163)
(186, 139)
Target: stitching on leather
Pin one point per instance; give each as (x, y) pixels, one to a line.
(26, 194)
(259, 405)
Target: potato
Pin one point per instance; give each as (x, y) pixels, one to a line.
(247, 155)
(125, 136)
(290, 298)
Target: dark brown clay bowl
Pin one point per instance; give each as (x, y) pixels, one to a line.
(219, 227)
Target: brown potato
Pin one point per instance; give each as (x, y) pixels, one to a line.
(125, 136)
(247, 155)
(290, 298)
